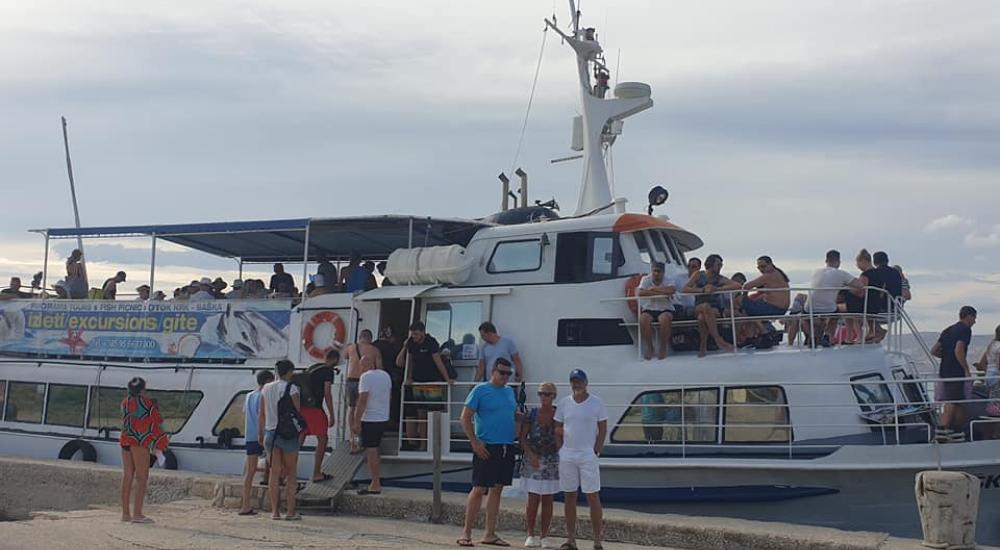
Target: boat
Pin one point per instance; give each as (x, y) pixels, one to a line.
(796, 433)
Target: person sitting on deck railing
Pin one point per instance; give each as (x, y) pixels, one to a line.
(855, 301)
(76, 276)
(656, 304)
(824, 301)
(684, 305)
(13, 292)
(708, 303)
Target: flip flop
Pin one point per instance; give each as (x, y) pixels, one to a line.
(250, 512)
(495, 542)
(464, 542)
(368, 492)
(326, 477)
(142, 520)
(293, 517)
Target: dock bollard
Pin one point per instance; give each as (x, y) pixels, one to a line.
(948, 503)
(434, 433)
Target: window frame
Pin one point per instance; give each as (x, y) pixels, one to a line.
(496, 248)
(86, 404)
(201, 397)
(617, 258)
(903, 381)
(867, 408)
(683, 425)
(215, 426)
(45, 398)
(788, 416)
(483, 316)
(3, 402)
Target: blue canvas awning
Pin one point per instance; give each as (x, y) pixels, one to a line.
(284, 240)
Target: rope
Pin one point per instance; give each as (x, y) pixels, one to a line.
(531, 99)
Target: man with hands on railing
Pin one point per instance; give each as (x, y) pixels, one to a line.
(493, 407)
(951, 347)
(421, 359)
(656, 304)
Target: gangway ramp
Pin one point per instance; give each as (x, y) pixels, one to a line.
(341, 465)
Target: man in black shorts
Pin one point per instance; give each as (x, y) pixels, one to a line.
(951, 347)
(493, 405)
(656, 304)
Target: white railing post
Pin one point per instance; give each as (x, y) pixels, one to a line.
(812, 322)
(683, 424)
(732, 318)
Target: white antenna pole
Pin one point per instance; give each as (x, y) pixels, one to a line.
(72, 192)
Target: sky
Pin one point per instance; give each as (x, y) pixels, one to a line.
(779, 127)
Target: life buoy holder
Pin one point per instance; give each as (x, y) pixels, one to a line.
(631, 284)
(309, 333)
(74, 446)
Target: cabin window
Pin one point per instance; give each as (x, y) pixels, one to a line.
(515, 256)
(234, 415)
(587, 256)
(642, 243)
(666, 247)
(667, 416)
(871, 390)
(25, 401)
(175, 407)
(66, 405)
(911, 389)
(756, 415)
(455, 325)
(593, 332)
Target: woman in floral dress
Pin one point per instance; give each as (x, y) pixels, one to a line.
(540, 466)
(142, 433)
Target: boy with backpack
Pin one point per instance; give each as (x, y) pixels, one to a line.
(255, 447)
(280, 424)
(315, 387)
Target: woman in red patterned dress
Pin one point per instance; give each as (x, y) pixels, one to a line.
(141, 434)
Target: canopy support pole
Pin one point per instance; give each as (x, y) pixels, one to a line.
(305, 261)
(45, 264)
(241, 269)
(152, 267)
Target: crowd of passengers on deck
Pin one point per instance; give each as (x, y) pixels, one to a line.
(702, 296)
(356, 276)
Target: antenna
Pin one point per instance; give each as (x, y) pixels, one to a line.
(72, 192)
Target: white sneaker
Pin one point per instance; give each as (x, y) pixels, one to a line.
(532, 542)
(549, 543)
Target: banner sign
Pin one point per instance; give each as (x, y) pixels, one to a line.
(209, 329)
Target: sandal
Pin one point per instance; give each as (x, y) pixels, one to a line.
(250, 512)
(495, 542)
(326, 477)
(293, 517)
(367, 491)
(465, 542)
(568, 546)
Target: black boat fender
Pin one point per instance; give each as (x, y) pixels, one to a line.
(74, 446)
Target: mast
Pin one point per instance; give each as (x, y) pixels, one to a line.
(76, 208)
(602, 116)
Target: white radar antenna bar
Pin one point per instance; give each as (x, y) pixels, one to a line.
(602, 116)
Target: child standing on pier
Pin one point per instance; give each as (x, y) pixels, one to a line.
(255, 447)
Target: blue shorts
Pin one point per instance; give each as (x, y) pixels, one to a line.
(760, 308)
(275, 441)
(254, 448)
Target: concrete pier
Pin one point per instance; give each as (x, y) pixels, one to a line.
(197, 511)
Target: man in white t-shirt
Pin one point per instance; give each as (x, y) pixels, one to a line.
(656, 304)
(370, 417)
(581, 426)
(824, 301)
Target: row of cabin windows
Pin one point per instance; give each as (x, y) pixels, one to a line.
(752, 414)
(70, 405)
(581, 256)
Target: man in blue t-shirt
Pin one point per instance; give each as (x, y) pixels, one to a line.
(494, 347)
(255, 448)
(492, 405)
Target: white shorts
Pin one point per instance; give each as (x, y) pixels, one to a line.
(579, 472)
(542, 487)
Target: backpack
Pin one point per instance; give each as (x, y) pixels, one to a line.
(304, 381)
(290, 421)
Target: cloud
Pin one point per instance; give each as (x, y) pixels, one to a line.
(977, 239)
(949, 221)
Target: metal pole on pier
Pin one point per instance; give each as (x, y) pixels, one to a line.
(72, 192)
(435, 435)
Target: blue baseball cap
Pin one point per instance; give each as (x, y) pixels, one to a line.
(577, 374)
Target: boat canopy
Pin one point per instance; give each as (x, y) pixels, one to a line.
(269, 241)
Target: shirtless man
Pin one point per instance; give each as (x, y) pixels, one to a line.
(708, 304)
(355, 369)
(772, 303)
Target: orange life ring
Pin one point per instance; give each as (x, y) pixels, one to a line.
(631, 284)
(309, 333)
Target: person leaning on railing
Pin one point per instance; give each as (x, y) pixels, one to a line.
(708, 303)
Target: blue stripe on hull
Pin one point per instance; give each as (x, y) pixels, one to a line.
(652, 495)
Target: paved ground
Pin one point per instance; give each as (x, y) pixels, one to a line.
(194, 524)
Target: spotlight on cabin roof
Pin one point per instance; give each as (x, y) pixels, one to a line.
(657, 196)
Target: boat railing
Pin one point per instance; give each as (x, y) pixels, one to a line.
(899, 411)
(894, 317)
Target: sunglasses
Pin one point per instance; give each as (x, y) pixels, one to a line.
(505, 372)
(546, 394)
